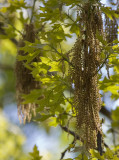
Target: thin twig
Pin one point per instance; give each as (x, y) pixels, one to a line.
(80, 6)
(68, 100)
(75, 135)
(2, 32)
(32, 11)
(11, 24)
(14, 41)
(103, 63)
(105, 112)
(41, 28)
(60, 48)
(69, 17)
(105, 60)
(15, 28)
(70, 132)
(65, 58)
(63, 153)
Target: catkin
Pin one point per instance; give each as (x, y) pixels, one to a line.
(24, 79)
(86, 60)
(111, 29)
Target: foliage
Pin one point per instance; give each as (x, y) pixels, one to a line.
(56, 24)
(35, 154)
(11, 141)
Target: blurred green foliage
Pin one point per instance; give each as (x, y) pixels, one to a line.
(11, 141)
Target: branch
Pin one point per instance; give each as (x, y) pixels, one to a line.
(65, 58)
(15, 28)
(75, 135)
(14, 41)
(80, 6)
(2, 32)
(69, 17)
(105, 60)
(32, 11)
(105, 112)
(70, 132)
(9, 22)
(100, 67)
(63, 153)
(41, 28)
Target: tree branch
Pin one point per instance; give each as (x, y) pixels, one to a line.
(105, 112)
(2, 32)
(105, 60)
(63, 153)
(69, 17)
(9, 22)
(32, 11)
(14, 41)
(76, 137)
(64, 57)
(99, 143)
(70, 132)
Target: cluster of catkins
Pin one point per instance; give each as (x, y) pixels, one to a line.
(86, 60)
(24, 79)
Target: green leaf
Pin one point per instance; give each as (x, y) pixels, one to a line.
(108, 154)
(35, 154)
(45, 60)
(81, 156)
(115, 114)
(75, 29)
(53, 122)
(109, 12)
(42, 117)
(96, 154)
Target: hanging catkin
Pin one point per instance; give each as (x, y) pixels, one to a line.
(24, 80)
(111, 32)
(111, 29)
(86, 60)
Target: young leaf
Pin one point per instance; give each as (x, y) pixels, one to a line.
(35, 154)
